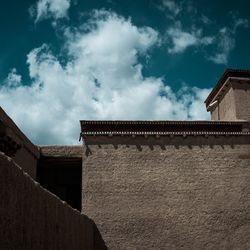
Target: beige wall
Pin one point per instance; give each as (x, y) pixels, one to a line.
(165, 193)
(33, 218)
(61, 151)
(225, 109)
(215, 114)
(234, 104)
(242, 100)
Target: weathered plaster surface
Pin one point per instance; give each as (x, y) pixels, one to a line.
(234, 103)
(242, 100)
(225, 109)
(28, 153)
(33, 218)
(169, 193)
(61, 151)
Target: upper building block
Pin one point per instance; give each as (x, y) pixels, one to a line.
(230, 98)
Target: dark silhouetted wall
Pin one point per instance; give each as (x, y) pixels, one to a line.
(33, 218)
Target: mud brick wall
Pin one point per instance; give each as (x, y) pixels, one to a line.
(225, 109)
(28, 154)
(234, 104)
(169, 193)
(33, 218)
(242, 100)
(61, 151)
(27, 161)
(226, 106)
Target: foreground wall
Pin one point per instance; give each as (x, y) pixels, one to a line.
(33, 218)
(59, 170)
(27, 160)
(169, 193)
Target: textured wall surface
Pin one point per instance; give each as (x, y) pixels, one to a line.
(169, 193)
(61, 151)
(27, 161)
(26, 157)
(215, 114)
(234, 104)
(33, 218)
(225, 109)
(242, 100)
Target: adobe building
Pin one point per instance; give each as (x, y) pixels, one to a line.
(173, 184)
(138, 184)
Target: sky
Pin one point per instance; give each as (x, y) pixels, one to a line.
(62, 61)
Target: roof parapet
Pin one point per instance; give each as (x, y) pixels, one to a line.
(13, 137)
(224, 82)
(110, 128)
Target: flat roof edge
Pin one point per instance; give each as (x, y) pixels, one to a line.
(17, 134)
(227, 74)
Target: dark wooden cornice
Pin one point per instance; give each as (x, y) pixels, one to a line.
(164, 128)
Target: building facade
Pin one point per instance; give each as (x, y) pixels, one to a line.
(173, 184)
(143, 184)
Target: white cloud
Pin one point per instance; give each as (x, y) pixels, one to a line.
(197, 97)
(45, 9)
(239, 22)
(171, 6)
(102, 79)
(13, 79)
(226, 41)
(181, 40)
(205, 19)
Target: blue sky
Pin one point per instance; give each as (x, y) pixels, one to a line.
(66, 60)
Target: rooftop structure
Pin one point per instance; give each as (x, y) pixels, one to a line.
(145, 184)
(172, 184)
(230, 98)
(111, 128)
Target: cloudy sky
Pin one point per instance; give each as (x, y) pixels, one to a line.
(66, 60)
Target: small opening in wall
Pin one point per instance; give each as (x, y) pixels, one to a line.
(62, 176)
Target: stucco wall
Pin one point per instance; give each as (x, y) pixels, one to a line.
(242, 100)
(27, 161)
(225, 109)
(215, 114)
(33, 218)
(28, 153)
(234, 104)
(61, 151)
(169, 193)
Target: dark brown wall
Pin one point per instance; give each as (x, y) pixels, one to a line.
(27, 161)
(59, 170)
(33, 218)
(165, 193)
(26, 157)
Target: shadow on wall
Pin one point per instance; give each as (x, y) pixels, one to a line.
(165, 142)
(34, 218)
(99, 243)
